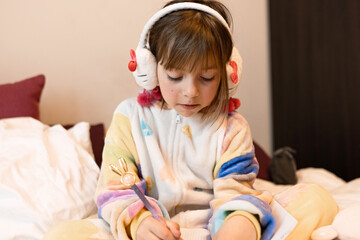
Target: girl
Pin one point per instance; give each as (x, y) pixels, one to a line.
(191, 153)
(183, 146)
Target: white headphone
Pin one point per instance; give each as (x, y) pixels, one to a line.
(144, 65)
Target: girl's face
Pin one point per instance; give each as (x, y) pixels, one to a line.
(188, 92)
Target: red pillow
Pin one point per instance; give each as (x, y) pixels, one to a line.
(97, 135)
(264, 162)
(21, 99)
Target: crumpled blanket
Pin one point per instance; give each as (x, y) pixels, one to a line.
(47, 174)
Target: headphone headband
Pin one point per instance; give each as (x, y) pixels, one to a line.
(176, 7)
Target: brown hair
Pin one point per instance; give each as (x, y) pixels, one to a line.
(184, 38)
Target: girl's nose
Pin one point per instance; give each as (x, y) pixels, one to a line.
(190, 88)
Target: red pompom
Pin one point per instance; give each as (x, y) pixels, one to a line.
(144, 98)
(234, 103)
(156, 94)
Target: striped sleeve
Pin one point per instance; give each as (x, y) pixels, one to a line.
(118, 204)
(234, 175)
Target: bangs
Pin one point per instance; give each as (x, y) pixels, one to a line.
(194, 44)
(193, 54)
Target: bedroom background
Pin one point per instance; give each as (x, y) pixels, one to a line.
(82, 47)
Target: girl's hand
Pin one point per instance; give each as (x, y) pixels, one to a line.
(152, 229)
(236, 228)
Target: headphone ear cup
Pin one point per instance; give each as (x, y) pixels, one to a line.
(234, 71)
(146, 66)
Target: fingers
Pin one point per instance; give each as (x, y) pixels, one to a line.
(149, 236)
(164, 232)
(150, 228)
(173, 227)
(144, 230)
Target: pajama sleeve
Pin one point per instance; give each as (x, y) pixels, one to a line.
(234, 175)
(118, 204)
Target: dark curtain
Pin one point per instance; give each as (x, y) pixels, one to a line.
(315, 64)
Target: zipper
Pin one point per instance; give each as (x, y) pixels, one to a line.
(178, 119)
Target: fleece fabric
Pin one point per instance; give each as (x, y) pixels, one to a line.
(188, 167)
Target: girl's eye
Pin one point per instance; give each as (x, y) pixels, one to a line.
(208, 79)
(174, 78)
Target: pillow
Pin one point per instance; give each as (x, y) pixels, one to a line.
(47, 175)
(21, 99)
(81, 133)
(97, 136)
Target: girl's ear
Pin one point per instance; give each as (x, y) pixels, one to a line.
(234, 71)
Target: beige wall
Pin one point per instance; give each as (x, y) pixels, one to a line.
(82, 47)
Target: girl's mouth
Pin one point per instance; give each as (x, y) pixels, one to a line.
(189, 106)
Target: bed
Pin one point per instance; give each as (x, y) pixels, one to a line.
(48, 173)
